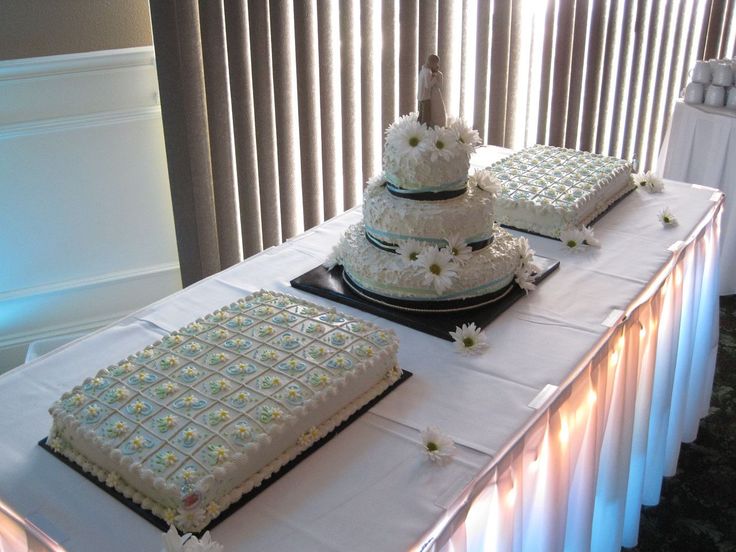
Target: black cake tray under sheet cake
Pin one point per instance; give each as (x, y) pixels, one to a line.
(247, 497)
(332, 285)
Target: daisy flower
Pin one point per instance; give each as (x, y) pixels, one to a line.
(524, 278)
(468, 138)
(650, 182)
(485, 180)
(666, 217)
(572, 238)
(335, 256)
(435, 267)
(468, 339)
(444, 143)
(589, 238)
(458, 249)
(188, 543)
(410, 250)
(438, 447)
(526, 254)
(408, 139)
(376, 181)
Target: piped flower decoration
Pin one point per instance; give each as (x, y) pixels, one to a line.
(468, 339)
(666, 217)
(460, 252)
(649, 182)
(436, 269)
(438, 447)
(410, 250)
(173, 542)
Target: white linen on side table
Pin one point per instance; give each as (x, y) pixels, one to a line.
(700, 147)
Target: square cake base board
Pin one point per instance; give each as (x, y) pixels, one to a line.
(330, 285)
(247, 497)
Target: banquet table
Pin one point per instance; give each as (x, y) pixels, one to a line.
(700, 147)
(563, 426)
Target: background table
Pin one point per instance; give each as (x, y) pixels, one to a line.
(624, 334)
(700, 147)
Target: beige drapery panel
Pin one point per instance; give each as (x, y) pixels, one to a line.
(274, 110)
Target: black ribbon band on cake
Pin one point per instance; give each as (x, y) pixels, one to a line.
(424, 196)
(391, 247)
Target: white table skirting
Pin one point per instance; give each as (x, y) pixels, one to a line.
(569, 474)
(700, 147)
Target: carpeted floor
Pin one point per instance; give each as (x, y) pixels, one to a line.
(697, 511)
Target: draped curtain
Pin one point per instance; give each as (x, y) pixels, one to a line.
(274, 111)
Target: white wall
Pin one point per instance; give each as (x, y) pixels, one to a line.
(86, 226)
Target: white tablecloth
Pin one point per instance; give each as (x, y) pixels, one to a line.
(370, 488)
(700, 147)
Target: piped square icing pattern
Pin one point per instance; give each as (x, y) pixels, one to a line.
(195, 420)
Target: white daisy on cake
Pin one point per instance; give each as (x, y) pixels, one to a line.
(458, 249)
(335, 256)
(524, 278)
(650, 182)
(408, 138)
(666, 217)
(526, 253)
(436, 268)
(444, 144)
(410, 250)
(572, 238)
(468, 138)
(485, 180)
(468, 339)
(438, 447)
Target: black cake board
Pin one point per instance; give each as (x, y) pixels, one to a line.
(247, 497)
(331, 285)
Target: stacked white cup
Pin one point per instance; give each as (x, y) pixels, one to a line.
(712, 83)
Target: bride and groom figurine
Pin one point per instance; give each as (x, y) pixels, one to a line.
(429, 93)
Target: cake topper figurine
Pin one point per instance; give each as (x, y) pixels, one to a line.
(431, 104)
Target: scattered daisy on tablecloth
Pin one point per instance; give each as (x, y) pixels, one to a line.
(468, 339)
(438, 447)
(649, 182)
(409, 250)
(589, 237)
(459, 250)
(173, 542)
(436, 269)
(572, 238)
(666, 217)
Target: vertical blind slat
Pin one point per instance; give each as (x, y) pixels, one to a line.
(219, 120)
(546, 77)
(726, 49)
(464, 55)
(287, 119)
(330, 107)
(513, 68)
(715, 25)
(408, 55)
(427, 29)
(350, 73)
(592, 86)
(641, 31)
(624, 82)
(447, 43)
(244, 129)
(369, 91)
(647, 95)
(561, 76)
(260, 45)
(482, 71)
(500, 37)
(577, 68)
(308, 93)
(389, 48)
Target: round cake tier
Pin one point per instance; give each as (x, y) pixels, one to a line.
(389, 220)
(385, 277)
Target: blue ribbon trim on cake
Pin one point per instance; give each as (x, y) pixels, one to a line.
(391, 247)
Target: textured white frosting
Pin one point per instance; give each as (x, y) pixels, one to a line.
(393, 219)
(314, 367)
(548, 189)
(487, 270)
